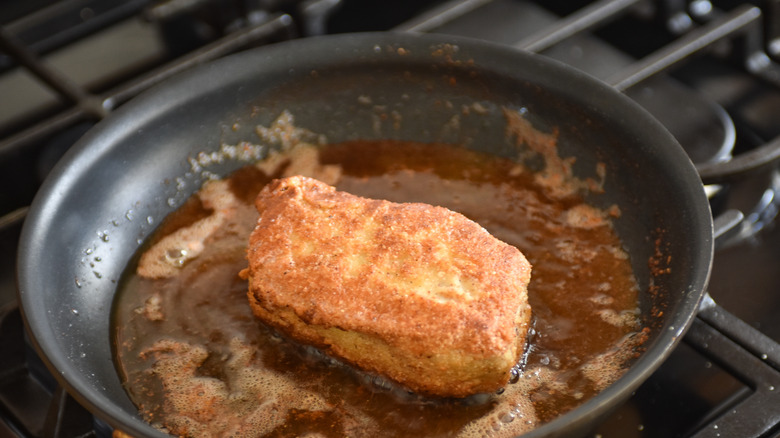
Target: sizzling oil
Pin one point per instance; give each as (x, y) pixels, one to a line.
(195, 360)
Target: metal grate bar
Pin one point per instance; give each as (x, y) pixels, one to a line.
(772, 25)
(52, 77)
(735, 22)
(230, 43)
(63, 22)
(742, 165)
(721, 337)
(51, 125)
(274, 25)
(13, 218)
(753, 341)
(315, 14)
(169, 9)
(586, 18)
(441, 15)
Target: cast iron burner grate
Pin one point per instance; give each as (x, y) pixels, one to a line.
(33, 404)
(723, 380)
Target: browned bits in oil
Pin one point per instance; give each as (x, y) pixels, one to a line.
(251, 382)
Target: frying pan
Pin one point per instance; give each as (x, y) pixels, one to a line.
(111, 189)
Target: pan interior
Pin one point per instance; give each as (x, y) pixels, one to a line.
(113, 189)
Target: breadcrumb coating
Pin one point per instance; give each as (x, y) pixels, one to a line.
(413, 292)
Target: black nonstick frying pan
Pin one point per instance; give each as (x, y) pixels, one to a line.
(111, 190)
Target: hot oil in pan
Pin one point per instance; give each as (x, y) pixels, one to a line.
(196, 361)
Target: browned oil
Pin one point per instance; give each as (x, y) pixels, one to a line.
(582, 291)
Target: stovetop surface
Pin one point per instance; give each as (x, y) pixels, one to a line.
(711, 104)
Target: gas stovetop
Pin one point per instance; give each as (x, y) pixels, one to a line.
(708, 70)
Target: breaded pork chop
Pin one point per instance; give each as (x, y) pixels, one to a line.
(413, 292)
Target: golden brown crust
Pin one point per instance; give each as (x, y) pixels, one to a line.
(416, 293)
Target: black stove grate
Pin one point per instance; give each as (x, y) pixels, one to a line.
(724, 380)
(31, 403)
